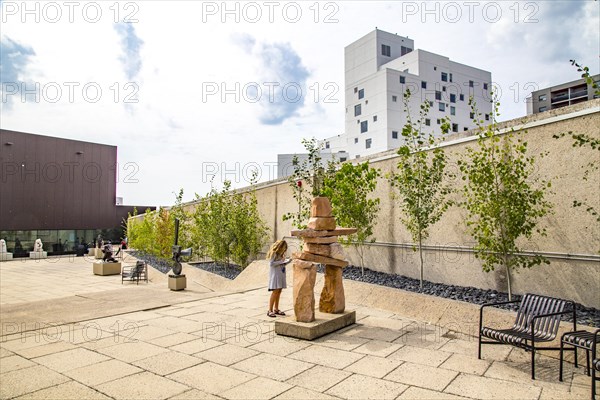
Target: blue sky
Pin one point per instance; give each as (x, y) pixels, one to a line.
(188, 90)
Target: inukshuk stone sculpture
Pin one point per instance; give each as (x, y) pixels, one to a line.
(320, 247)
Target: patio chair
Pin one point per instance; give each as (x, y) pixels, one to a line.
(136, 272)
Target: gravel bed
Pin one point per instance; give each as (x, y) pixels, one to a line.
(585, 315)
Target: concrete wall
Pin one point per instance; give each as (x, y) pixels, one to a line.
(573, 234)
(570, 231)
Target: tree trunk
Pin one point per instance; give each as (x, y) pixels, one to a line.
(508, 278)
(421, 260)
(362, 259)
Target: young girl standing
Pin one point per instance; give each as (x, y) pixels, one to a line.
(277, 262)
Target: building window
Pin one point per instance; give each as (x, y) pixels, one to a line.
(430, 103)
(472, 115)
(452, 98)
(450, 77)
(542, 109)
(461, 97)
(485, 86)
(487, 117)
(357, 110)
(386, 50)
(427, 122)
(452, 110)
(364, 126)
(471, 83)
(361, 93)
(439, 121)
(543, 97)
(394, 134)
(423, 85)
(465, 129)
(438, 95)
(355, 89)
(355, 140)
(444, 77)
(326, 145)
(454, 127)
(342, 159)
(357, 156)
(368, 144)
(442, 107)
(374, 118)
(394, 99)
(402, 79)
(443, 88)
(404, 50)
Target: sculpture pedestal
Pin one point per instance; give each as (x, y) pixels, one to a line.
(177, 282)
(321, 326)
(332, 299)
(37, 255)
(98, 254)
(6, 256)
(107, 268)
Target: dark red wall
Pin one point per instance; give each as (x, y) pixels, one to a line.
(45, 184)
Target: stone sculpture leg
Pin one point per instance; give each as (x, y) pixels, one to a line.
(332, 299)
(305, 275)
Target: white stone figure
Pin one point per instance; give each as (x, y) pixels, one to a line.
(3, 246)
(38, 246)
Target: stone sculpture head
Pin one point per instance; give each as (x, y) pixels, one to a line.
(2, 246)
(38, 246)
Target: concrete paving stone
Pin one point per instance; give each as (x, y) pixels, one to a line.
(417, 393)
(366, 387)
(581, 384)
(258, 388)
(217, 331)
(367, 332)
(27, 380)
(99, 373)
(178, 324)
(341, 342)
(212, 308)
(377, 348)
(370, 312)
(175, 311)
(66, 391)
(327, 357)
(167, 363)
(319, 378)
(46, 349)
(194, 394)
(13, 363)
(273, 367)
(172, 339)
(146, 333)
(377, 367)
(469, 348)
(546, 373)
(70, 359)
(300, 393)
(196, 346)
(207, 317)
(224, 300)
(28, 340)
(226, 354)
(466, 364)
(211, 378)
(280, 345)
(422, 375)
(143, 316)
(419, 355)
(144, 385)
(478, 387)
(423, 339)
(549, 394)
(5, 353)
(102, 343)
(248, 338)
(129, 352)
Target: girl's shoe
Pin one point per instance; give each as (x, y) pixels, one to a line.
(278, 312)
(271, 314)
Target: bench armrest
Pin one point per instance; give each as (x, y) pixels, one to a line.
(596, 336)
(489, 305)
(543, 316)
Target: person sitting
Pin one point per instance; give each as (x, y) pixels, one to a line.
(108, 253)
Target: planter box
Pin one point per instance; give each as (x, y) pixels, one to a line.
(107, 268)
(37, 255)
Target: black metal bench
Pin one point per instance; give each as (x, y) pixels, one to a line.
(136, 272)
(538, 319)
(595, 364)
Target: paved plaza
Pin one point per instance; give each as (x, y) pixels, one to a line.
(68, 334)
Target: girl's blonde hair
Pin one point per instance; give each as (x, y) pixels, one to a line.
(278, 248)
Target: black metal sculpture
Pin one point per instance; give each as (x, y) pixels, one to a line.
(177, 252)
(108, 253)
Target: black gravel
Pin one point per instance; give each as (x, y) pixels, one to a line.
(585, 315)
